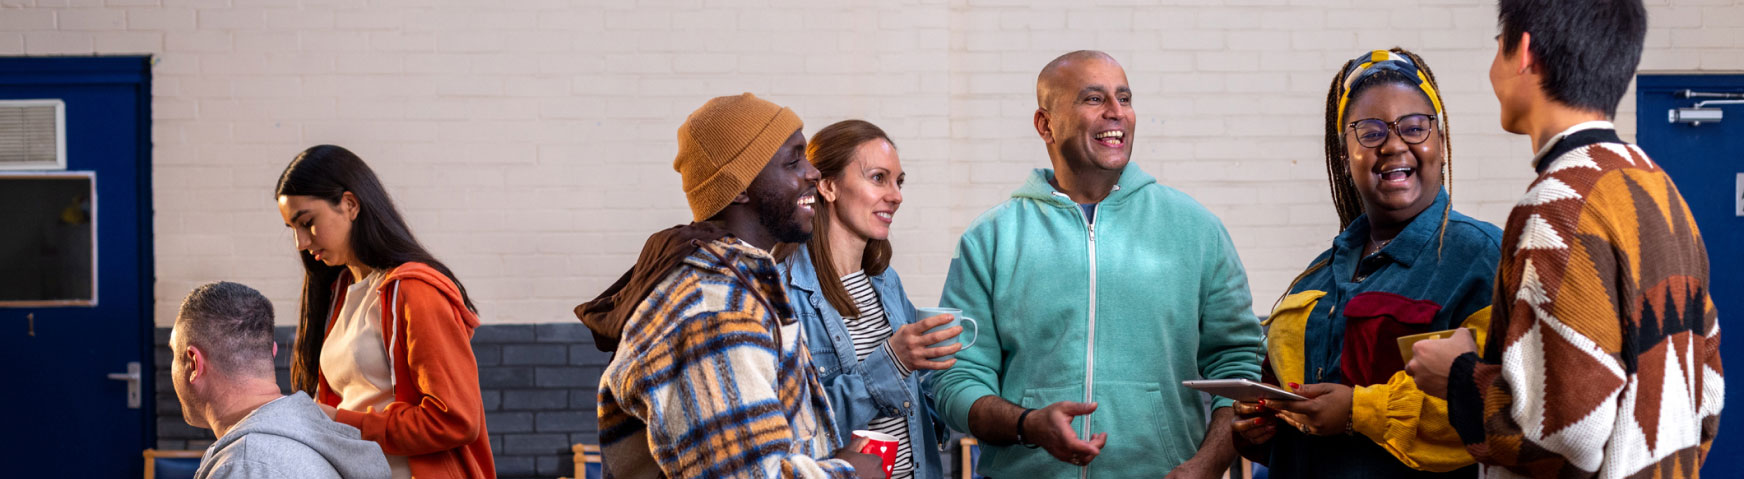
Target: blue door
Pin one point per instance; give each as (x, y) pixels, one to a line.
(63, 338)
(1706, 160)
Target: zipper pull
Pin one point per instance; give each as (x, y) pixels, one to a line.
(1092, 232)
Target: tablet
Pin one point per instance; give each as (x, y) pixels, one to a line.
(1241, 389)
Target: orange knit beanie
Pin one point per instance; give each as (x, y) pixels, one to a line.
(725, 144)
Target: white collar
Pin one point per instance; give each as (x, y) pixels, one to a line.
(1578, 127)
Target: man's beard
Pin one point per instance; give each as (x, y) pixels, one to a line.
(777, 217)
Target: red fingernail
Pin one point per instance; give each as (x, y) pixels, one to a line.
(1262, 403)
(1295, 386)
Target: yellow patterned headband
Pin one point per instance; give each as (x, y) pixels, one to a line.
(1382, 60)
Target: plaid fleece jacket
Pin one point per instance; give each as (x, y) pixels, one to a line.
(1603, 352)
(711, 379)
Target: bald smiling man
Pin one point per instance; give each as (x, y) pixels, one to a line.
(1098, 291)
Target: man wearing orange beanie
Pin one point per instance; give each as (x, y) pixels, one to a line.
(710, 377)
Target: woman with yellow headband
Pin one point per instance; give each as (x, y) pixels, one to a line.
(1404, 263)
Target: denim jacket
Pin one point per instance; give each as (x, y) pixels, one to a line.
(1340, 324)
(860, 391)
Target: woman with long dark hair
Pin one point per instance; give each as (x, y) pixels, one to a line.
(865, 341)
(1403, 263)
(370, 290)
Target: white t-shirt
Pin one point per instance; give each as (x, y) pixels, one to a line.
(354, 359)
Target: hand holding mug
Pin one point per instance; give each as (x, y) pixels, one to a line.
(911, 344)
(956, 318)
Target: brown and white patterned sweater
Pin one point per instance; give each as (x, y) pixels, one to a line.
(1603, 355)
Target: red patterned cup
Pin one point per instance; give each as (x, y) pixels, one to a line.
(881, 445)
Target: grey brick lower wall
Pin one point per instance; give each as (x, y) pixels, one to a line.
(538, 383)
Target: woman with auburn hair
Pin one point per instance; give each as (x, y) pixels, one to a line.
(370, 292)
(869, 352)
(1404, 263)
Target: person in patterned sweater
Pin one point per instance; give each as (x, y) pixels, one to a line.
(1603, 352)
(711, 376)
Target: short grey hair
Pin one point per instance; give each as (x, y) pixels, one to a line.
(232, 324)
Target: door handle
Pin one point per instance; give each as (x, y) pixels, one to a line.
(132, 378)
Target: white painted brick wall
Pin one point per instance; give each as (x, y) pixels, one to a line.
(530, 142)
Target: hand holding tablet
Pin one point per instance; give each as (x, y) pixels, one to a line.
(1242, 389)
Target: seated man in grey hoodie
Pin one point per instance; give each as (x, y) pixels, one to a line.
(223, 375)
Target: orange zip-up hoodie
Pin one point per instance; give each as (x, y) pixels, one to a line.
(437, 417)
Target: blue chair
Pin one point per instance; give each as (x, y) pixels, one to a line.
(171, 464)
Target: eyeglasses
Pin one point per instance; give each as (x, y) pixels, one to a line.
(1413, 128)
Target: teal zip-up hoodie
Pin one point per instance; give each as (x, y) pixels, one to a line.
(1118, 313)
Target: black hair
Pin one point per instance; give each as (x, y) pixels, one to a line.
(379, 239)
(1586, 50)
(232, 324)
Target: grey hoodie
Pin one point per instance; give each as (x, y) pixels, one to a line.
(291, 438)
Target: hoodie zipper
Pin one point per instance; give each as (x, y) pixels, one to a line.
(1090, 340)
(1090, 347)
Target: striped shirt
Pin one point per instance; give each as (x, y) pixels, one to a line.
(869, 331)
